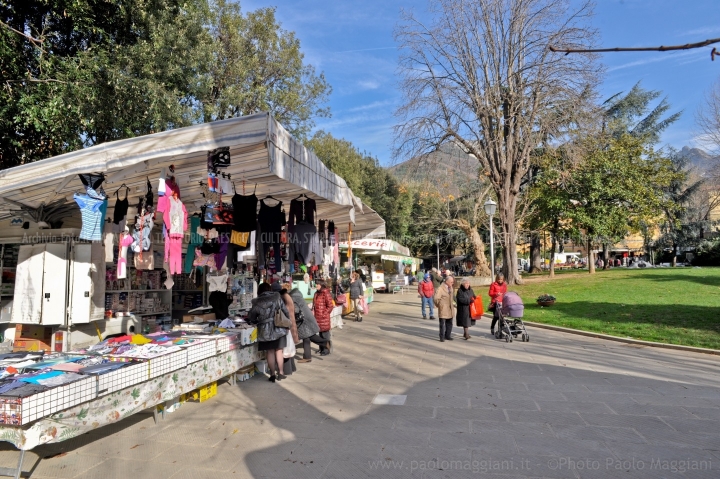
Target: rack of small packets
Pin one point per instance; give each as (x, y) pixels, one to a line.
(243, 289)
(36, 385)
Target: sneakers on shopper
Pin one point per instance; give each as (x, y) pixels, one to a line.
(303, 360)
(432, 317)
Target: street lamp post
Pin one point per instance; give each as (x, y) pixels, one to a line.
(437, 243)
(490, 207)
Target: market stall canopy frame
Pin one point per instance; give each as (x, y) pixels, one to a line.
(374, 245)
(262, 152)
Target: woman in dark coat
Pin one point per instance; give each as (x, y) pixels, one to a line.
(271, 339)
(464, 299)
(307, 326)
(357, 291)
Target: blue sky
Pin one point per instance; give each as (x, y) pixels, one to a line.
(352, 43)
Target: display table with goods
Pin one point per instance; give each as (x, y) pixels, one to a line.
(47, 398)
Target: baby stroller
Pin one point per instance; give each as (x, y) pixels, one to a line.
(510, 324)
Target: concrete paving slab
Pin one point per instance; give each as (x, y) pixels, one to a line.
(497, 410)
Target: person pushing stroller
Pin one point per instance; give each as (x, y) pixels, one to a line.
(497, 290)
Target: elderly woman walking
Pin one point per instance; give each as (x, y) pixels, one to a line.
(464, 299)
(446, 309)
(271, 339)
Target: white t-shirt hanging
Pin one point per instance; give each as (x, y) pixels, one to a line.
(176, 216)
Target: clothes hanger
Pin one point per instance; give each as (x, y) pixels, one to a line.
(300, 196)
(271, 197)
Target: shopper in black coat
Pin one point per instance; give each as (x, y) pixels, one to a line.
(464, 298)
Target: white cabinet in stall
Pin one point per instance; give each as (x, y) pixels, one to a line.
(55, 279)
(87, 283)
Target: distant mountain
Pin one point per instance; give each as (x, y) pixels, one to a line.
(448, 168)
(700, 159)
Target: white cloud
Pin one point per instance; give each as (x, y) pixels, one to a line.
(371, 106)
(657, 57)
(709, 30)
(369, 84)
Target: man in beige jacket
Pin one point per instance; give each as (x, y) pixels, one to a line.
(443, 300)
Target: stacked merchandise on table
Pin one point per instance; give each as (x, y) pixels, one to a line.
(36, 385)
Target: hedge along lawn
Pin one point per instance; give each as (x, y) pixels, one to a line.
(675, 306)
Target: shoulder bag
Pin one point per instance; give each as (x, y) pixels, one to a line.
(281, 321)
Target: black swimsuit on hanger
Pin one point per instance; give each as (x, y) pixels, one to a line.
(121, 207)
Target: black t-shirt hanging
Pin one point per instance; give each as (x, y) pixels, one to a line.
(218, 158)
(245, 212)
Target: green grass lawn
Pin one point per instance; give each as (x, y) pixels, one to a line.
(677, 306)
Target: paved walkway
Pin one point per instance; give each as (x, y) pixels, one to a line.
(559, 406)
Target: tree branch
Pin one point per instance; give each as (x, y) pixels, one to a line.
(661, 48)
(35, 41)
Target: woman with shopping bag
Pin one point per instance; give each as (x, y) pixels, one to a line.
(270, 315)
(292, 334)
(464, 298)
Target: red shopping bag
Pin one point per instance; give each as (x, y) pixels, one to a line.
(476, 308)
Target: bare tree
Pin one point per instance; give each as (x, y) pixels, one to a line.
(481, 75)
(708, 119)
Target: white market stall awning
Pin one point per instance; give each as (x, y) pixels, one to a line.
(262, 153)
(376, 245)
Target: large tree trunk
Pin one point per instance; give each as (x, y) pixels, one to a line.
(481, 264)
(506, 206)
(606, 255)
(591, 257)
(674, 259)
(553, 248)
(535, 253)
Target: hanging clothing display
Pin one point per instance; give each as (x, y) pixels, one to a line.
(93, 181)
(302, 240)
(301, 211)
(221, 255)
(161, 183)
(242, 256)
(121, 209)
(171, 187)
(174, 227)
(149, 198)
(109, 241)
(175, 216)
(225, 185)
(271, 219)
(92, 211)
(336, 248)
(173, 253)
(244, 212)
(195, 241)
(322, 232)
(141, 234)
(145, 260)
(125, 241)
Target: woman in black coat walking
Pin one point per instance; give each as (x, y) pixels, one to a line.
(464, 298)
